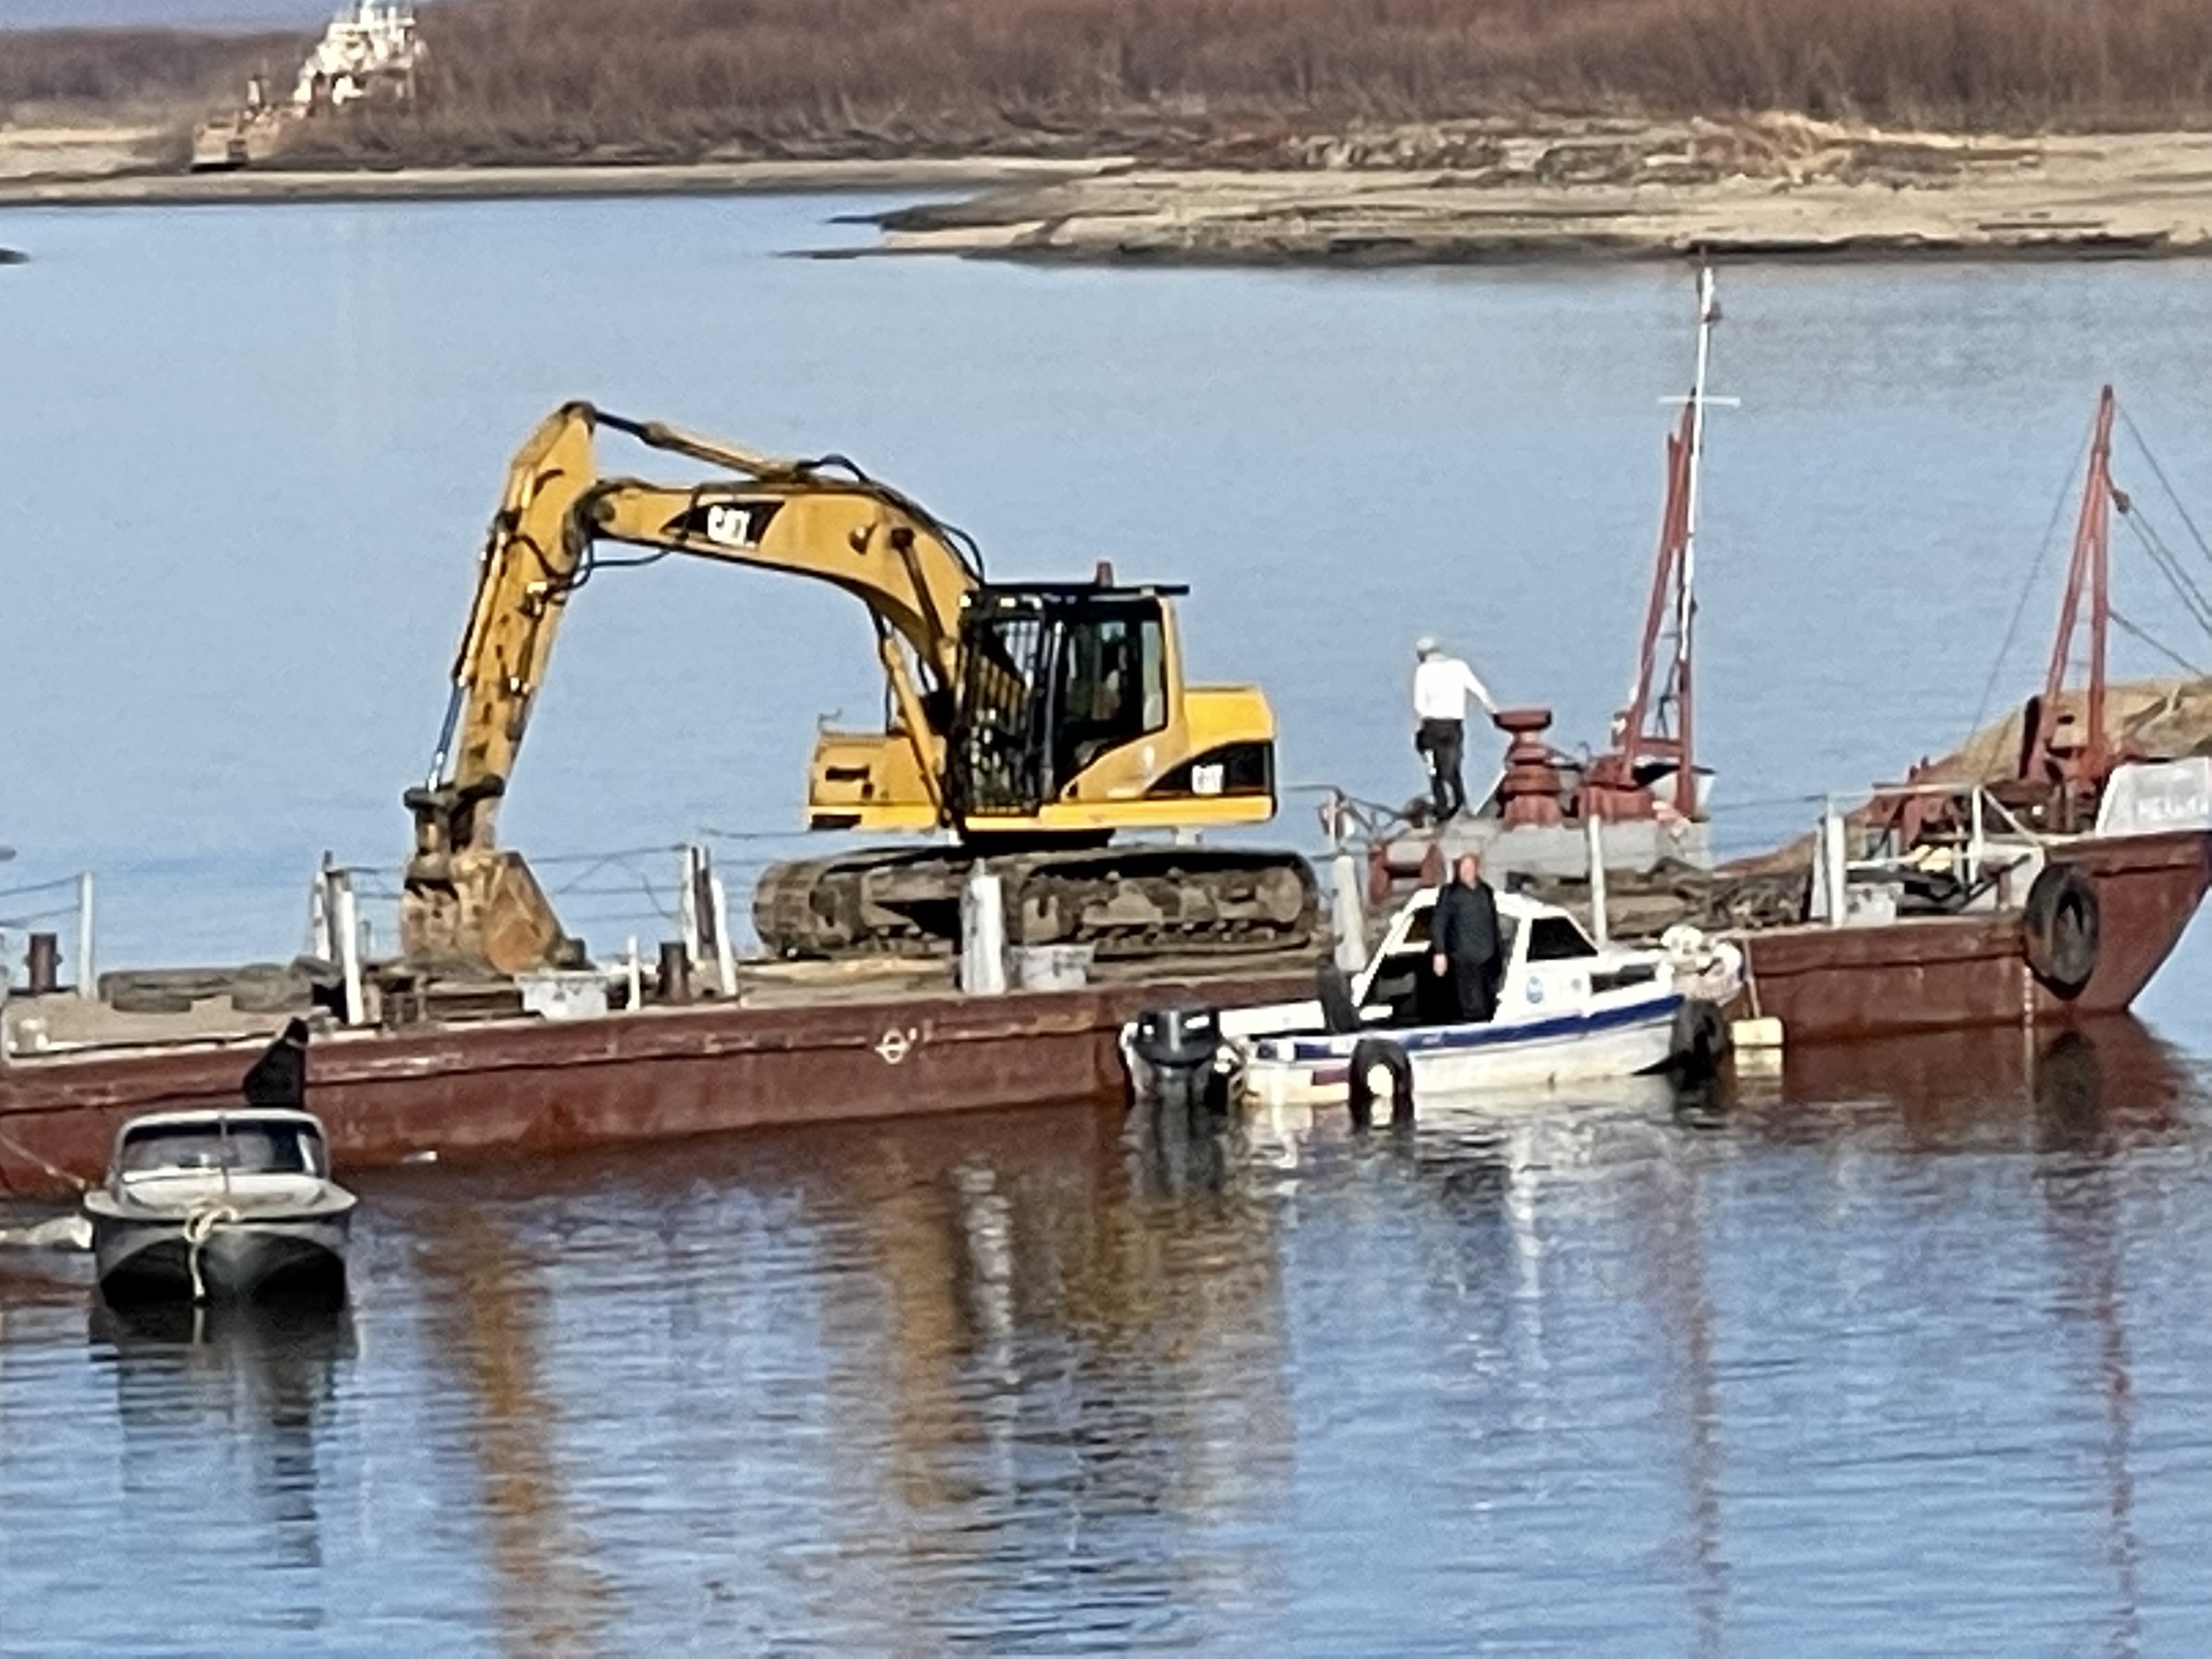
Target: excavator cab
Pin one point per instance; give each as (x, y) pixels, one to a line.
(1068, 719)
(1054, 678)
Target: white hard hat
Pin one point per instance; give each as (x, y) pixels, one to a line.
(1424, 647)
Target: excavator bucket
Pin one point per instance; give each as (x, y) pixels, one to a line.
(476, 911)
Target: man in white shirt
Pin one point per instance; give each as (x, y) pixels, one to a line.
(1442, 685)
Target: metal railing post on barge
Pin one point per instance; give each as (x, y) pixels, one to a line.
(702, 909)
(726, 949)
(983, 934)
(345, 922)
(88, 984)
(1347, 912)
(334, 923)
(1834, 865)
(1600, 925)
(690, 926)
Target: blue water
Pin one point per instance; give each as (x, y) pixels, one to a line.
(1901, 1355)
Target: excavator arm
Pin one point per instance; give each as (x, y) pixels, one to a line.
(466, 901)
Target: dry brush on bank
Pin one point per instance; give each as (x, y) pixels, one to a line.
(549, 80)
(109, 72)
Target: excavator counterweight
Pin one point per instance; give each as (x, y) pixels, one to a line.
(1034, 721)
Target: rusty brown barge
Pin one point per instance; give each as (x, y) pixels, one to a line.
(507, 1087)
(2039, 878)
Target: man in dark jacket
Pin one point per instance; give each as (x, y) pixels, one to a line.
(1469, 944)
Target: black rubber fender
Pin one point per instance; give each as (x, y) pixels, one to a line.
(1699, 1042)
(1338, 1013)
(2059, 930)
(149, 999)
(1368, 1057)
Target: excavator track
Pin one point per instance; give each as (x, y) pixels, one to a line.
(1125, 902)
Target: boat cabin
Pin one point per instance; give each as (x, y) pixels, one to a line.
(166, 1146)
(1549, 962)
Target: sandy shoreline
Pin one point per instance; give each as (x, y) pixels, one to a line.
(1652, 192)
(123, 188)
(1773, 186)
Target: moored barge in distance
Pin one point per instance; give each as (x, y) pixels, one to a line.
(2039, 876)
(2079, 939)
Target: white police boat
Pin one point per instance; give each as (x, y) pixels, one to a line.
(1570, 1011)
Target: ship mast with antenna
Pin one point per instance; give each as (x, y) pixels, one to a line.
(1655, 734)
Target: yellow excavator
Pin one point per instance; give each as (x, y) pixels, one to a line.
(1032, 721)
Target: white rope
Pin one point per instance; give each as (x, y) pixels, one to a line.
(202, 1221)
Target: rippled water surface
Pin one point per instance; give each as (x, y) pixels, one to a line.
(1902, 1352)
(1905, 1356)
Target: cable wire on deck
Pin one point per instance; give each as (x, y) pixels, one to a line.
(553, 859)
(2164, 483)
(2027, 587)
(54, 886)
(2193, 596)
(29, 917)
(2166, 651)
(713, 834)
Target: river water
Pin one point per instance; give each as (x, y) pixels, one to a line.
(1901, 1353)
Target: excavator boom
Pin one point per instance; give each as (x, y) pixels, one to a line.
(911, 572)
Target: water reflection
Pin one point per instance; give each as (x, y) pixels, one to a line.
(971, 1378)
(1083, 1365)
(2089, 1310)
(262, 1376)
(2101, 1087)
(483, 1303)
(1586, 1371)
(1175, 1152)
(2085, 1103)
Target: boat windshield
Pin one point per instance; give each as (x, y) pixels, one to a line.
(252, 1148)
(1558, 938)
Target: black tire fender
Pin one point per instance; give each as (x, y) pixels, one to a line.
(2059, 930)
(1379, 1057)
(149, 999)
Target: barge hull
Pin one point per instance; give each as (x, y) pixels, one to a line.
(550, 1087)
(1939, 973)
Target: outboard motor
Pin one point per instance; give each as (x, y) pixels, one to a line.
(1177, 1049)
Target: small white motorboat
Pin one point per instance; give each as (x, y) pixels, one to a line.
(1569, 1011)
(220, 1206)
(227, 1205)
